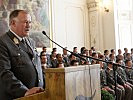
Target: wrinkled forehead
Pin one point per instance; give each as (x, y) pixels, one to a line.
(24, 16)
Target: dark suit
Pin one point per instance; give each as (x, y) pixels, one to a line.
(129, 74)
(120, 91)
(19, 69)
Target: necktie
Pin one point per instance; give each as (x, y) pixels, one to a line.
(30, 53)
(24, 42)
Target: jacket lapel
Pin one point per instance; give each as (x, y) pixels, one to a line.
(23, 47)
(17, 42)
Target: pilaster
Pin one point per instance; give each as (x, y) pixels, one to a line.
(95, 24)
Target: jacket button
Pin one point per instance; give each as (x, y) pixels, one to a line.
(33, 59)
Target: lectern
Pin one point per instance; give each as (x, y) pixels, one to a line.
(70, 83)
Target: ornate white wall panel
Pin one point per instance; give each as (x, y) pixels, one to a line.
(124, 23)
(70, 23)
(75, 26)
(125, 36)
(95, 21)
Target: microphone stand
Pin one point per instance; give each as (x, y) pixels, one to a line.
(81, 57)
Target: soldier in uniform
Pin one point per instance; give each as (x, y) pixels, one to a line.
(111, 82)
(121, 72)
(104, 85)
(129, 71)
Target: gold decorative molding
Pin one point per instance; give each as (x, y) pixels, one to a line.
(92, 5)
(93, 21)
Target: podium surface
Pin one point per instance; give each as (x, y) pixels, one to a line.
(70, 83)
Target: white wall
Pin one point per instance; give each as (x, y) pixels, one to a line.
(109, 27)
(124, 24)
(70, 23)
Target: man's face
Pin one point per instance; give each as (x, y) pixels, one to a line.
(113, 52)
(112, 57)
(73, 57)
(21, 24)
(43, 59)
(110, 65)
(96, 56)
(76, 64)
(129, 64)
(126, 50)
(90, 52)
(75, 50)
(44, 49)
(64, 51)
(119, 51)
(54, 54)
(121, 57)
(60, 58)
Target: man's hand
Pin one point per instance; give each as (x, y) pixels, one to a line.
(125, 85)
(107, 88)
(34, 90)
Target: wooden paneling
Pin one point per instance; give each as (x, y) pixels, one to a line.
(38, 96)
(55, 84)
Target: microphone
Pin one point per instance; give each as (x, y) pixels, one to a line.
(77, 55)
(44, 32)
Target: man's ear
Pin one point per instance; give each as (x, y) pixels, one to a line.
(13, 22)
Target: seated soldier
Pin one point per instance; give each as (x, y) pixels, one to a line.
(103, 80)
(44, 51)
(121, 72)
(72, 57)
(106, 54)
(104, 85)
(74, 63)
(121, 57)
(94, 55)
(60, 65)
(53, 59)
(128, 56)
(120, 91)
(112, 57)
(65, 56)
(44, 62)
(129, 71)
(84, 61)
(60, 60)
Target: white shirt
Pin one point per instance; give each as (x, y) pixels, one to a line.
(16, 35)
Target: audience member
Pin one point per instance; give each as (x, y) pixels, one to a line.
(74, 63)
(106, 54)
(65, 56)
(75, 50)
(125, 52)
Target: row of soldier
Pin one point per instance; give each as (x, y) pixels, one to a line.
(124, 73)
